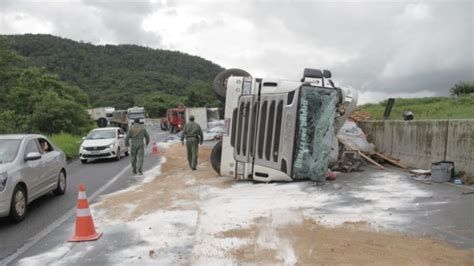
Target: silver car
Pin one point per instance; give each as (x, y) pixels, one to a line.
(30, 166)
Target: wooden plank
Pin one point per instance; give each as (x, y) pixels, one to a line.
(361, 154)
(391, 161)
(395, 159)
(371, 161)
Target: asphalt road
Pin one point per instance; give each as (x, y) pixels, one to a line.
(48, 209)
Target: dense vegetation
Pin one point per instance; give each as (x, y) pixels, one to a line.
(462, 88)
(426, 108)
(34, 100)
(121, 75)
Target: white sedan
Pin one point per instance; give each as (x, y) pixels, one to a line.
(102, 143)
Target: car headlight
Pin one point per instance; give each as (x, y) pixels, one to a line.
(111, 145)
(3, 181)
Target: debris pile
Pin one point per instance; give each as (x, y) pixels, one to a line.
(467, 179)
(350, 161)
(354, 139)
(359, 115)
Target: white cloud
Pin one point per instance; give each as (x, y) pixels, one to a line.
(382, 48)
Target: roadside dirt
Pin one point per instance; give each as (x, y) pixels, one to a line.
(301, 243)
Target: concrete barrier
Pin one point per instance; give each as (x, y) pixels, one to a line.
(420, 143)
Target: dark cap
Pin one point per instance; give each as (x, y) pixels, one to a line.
(191, 118)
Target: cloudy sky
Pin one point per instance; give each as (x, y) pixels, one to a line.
(382, 48)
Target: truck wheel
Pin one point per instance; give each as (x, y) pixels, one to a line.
(216, 157)
(102, 122)
(219, 85)
(163, 126)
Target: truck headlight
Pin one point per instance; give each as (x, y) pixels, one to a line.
(3, 181)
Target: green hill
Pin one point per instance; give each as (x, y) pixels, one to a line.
(115, 75)
(426, 108)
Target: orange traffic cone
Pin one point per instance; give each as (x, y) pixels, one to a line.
(85, 229)
(154, 149)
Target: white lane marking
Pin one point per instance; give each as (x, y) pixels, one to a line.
(59, 221)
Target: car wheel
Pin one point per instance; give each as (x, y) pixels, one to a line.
(61, 187)
(216, 157)
(219, 85)
(117, 158)
(18, 205)
(83, 160)
(127, 153)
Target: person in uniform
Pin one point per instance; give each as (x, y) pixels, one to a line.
(193, 134)
(136, 134)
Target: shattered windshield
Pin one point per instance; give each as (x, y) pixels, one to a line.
(102, 134)
(8, 149)
(314, 132)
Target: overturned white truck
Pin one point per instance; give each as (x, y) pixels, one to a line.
(278, 130)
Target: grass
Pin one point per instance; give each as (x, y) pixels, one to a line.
(461, 107)
(68, 143)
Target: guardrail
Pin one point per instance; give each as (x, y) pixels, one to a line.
(421, 142)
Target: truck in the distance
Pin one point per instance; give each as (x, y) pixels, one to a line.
(124, 118)
(101, 115)
(174, 120)
(278, 130)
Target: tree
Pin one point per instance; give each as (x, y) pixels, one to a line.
(462, 87)
(52, 115)
(200, 94)
(157, 103)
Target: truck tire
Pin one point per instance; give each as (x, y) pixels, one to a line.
(216, 157)
(219, 84)
(164, 126)
(102, 122)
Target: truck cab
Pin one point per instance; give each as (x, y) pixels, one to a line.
(136, 113)
(279, 130)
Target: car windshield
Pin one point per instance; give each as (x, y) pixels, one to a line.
(133, 116)
(101, 134)
(8, 149)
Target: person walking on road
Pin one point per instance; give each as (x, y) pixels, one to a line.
(137, 133)
(193, 134)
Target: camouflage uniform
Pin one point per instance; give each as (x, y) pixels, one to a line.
(137, 133)
(193, 134)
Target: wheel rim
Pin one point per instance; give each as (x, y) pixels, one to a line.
(62, 181)
(20, 203)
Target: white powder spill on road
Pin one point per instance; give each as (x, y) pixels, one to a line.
(47, 258)
(193, 235)
(151, 174)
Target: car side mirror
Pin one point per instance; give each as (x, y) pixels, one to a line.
(32, 156)
(83, 138)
